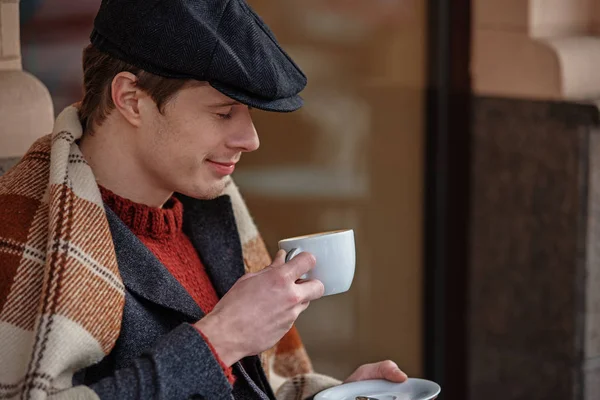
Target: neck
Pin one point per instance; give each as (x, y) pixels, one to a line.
(111, 155)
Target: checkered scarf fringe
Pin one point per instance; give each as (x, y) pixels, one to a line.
(58, 263)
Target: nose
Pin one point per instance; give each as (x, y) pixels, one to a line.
(245, 138)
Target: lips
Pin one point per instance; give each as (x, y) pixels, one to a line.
(222, 168)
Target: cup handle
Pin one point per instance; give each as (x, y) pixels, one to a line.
(291, 254)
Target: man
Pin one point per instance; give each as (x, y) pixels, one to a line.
(123, 240)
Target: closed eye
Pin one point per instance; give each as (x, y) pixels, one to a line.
(230, 113)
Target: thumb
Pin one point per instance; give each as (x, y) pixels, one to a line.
(394, 375)
(389, 370)
(279, 259)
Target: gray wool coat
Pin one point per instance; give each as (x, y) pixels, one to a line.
(159, 354)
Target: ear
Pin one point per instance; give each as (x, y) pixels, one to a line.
(126, 97)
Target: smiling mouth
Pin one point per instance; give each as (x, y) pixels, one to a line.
(227, 164)
(222, 168)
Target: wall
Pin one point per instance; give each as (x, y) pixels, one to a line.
(543, 49)
(533, 255)
(534, 258)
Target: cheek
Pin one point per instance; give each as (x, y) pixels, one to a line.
(195, 143)
(180, 159)
(181, 145)
(159, 149)
(185, 158)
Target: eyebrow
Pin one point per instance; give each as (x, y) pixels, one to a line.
(225, 104)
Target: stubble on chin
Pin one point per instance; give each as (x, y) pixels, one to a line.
(210, 193)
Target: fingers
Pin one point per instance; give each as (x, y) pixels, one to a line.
(383, 367)
(300, 265)
(277, 262)
(310, 290)
(389, 370)
(382, 370)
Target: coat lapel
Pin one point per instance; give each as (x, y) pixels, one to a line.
(145, 275)
(211, 226)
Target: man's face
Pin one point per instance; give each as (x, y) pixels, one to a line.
(193, 146)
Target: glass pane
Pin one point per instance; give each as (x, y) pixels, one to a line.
(351, 158)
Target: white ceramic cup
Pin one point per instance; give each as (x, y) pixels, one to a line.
(335, 254)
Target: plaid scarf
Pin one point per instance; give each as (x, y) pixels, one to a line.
(58, 263)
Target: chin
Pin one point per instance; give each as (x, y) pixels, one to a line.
(206, 192)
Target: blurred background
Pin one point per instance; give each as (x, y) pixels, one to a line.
(458, 138)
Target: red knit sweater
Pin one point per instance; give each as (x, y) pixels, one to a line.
(160, 229)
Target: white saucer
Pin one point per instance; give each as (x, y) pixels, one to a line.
(412, 389)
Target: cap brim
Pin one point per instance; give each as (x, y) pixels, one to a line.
(287, 104)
